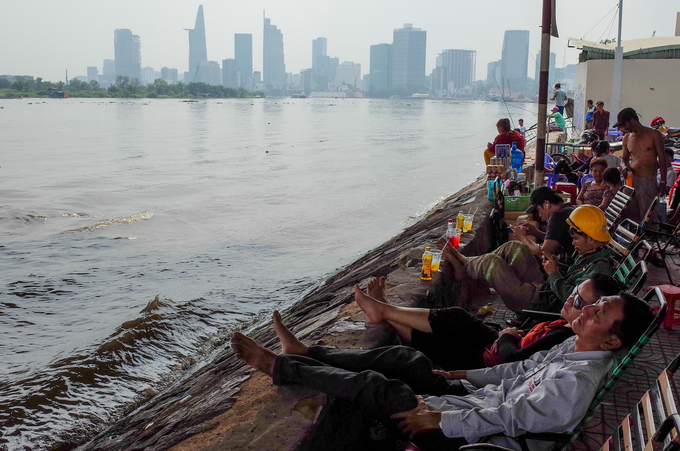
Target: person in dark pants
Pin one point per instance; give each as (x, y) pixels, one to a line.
(541, 394)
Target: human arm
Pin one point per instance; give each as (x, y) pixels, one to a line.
(522, 234)
(452, 375)
(663, 163)
(554, 405)
(418, 420)
(625, 157)
(606, 199)
(581, 193)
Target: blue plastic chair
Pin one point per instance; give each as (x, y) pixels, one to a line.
(584, 179)
(549, 163)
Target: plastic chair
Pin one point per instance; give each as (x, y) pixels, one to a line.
(672, 294)
(584, 179)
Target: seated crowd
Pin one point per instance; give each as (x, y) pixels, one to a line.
(455, 379)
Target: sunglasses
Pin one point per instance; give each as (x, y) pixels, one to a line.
(578, 303)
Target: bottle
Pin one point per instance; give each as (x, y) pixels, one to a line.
(427, 265)
(460, 219)
(629, 179)
(517, 157)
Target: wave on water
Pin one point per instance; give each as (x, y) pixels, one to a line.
(143, 216)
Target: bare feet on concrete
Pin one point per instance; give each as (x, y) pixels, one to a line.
(373, 308)
(289, 342)
(376, 289)
(255, 355)
(457, 255)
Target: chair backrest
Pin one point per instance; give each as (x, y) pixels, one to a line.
(618, 204)
(561, 440)
(648, 219)
(631, 274)
(625, 362)
(548, 162)
(656, 413)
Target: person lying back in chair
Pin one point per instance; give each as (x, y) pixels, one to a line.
(547, 393)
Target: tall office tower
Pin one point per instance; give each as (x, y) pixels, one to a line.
(493, 74)
(440, 79)
(208, 72)
(169, 75)
(319, 52)
(230, 73)
(514, 60)
(149, 75)
(243, 53)
(408, 58)
(274, 68)
(198, 51)
(461, 66)
(551, 68)
(128, 53)
(92, 73)
(381, 67)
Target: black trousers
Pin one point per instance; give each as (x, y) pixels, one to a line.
(382, 381)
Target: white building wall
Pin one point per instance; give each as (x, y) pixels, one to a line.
(648, 85)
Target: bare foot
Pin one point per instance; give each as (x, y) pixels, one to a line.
(289, 342)
(255, 355)
(376, 289)
(371, 307)
(457, 255)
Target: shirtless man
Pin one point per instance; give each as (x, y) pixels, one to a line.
(643, 153)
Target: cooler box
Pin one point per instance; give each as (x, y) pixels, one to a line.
(567, 188)
(517, 203)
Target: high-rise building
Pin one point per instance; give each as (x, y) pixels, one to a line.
(319, 52)
(514, 60)
(243, 53)
(274, 68)
(493, 74)
(551, 68)
(198, 51)
(149, 75)
(230, 73)
(461, 66)
(440, 79)
(380, 67)
(169, 75)
(92, 73)
(128, 54)
(408, 58)
(208, 72)
(349, 74)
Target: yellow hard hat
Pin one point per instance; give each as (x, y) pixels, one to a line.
(590, 220)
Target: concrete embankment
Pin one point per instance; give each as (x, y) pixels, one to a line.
(227, 406)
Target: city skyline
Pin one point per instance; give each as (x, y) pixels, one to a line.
(43, 46)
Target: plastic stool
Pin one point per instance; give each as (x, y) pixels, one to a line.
(672, 295)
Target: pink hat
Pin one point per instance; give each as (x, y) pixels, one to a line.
(555, 109)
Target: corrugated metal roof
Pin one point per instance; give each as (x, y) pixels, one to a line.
(662, 47)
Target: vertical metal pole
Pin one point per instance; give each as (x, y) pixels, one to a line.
(618, 69)
(543, 93)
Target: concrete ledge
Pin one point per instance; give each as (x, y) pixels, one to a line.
(225, 405)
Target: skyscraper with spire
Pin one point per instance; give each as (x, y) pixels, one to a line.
(197, 47)
(274, 68)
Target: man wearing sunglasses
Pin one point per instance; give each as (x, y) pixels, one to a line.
(514, 272)
(452, 337)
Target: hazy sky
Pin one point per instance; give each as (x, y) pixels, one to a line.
(46, 37)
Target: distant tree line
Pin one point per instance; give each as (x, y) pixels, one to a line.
(124, 87)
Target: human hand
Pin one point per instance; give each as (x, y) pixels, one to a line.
(663, 189)
(451, 375)
(510, 331)
(550, 264)
(519, 230)
(441, 242)
(419, 419)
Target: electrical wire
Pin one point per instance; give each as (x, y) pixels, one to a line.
(598, 23)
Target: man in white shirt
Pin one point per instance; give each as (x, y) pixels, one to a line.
(547, 393)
